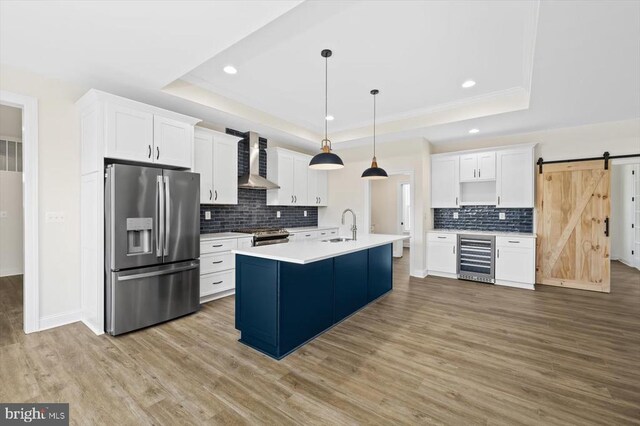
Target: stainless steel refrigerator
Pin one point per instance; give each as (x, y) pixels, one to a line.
(152, 246)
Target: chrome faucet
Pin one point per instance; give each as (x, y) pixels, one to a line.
(354, 228)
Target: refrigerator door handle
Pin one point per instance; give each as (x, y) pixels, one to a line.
(159, 216)
(156, 273)
(167, 201)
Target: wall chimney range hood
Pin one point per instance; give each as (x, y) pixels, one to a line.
(253, 180)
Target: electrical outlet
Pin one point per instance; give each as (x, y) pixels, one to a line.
(54, 217)
(207, 215)
(305, 213)
(455, 215)
(502, 216)
(278, 214)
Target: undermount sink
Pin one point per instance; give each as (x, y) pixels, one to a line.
(337, 240)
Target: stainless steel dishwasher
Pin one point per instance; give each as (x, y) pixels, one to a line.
(476, 257)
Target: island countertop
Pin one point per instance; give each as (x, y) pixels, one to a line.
(308, 251)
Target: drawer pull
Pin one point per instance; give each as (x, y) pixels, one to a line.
(308, 235)
(218, 282)
(442, 238)
(217, 261)
(217, 245)
(514, 242)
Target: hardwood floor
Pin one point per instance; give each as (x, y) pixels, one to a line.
(434, 351)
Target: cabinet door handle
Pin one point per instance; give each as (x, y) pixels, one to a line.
(149, 155)
(157, 152)
(295, 199)
(474, 172)
(478, 172)
(215, 195)
(217, 282)
(498, 253)
(216, 262)
(498, 200)
(210, 195)
(454, 249)
(456, 201)
(292, 199)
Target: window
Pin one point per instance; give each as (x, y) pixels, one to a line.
(406, 207)
(10, 156)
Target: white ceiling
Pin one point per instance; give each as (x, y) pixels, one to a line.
(538, 66)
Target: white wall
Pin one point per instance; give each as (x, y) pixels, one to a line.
(347, 188)
(384, 204)
(58, 187)
(617, 137)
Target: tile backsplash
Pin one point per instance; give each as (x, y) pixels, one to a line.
(252, 210)
(484, 218)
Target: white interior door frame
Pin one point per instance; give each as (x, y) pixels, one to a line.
(31, 278)
(367, 207)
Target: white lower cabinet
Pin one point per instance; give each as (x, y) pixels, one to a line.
(218, 267)
(442, 254)
(515, 262)
(320, 234)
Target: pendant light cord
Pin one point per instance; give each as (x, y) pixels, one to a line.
(326, 96)
(374, 126)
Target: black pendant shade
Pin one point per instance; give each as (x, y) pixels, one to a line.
(374, 172)
(326, 160)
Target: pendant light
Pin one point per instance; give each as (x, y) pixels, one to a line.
(326, 160)
(374, 172)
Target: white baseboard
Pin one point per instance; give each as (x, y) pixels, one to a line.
(7, 272)
(57, 320)
(209, 298)
(442, 274)
(419, 273)
(90, 326)
(515, 284)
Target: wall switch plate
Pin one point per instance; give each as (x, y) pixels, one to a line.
(502, 216)
(207, 215)
(3, 214)
(455, 215)
(278, 214)
(305, 213)
(54, 217)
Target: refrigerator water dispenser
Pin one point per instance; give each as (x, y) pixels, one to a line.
(139, 235)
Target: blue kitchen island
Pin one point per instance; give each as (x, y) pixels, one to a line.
(287, 294)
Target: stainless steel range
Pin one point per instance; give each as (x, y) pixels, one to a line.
(267, 236)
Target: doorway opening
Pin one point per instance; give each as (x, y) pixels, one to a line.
(391, 209)
(625, 213)
(11, 220)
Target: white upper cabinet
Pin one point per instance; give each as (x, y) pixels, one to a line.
(225, 169)
(203, 164)
(478, 166)
(129, 133)
(515, 179)
(500, 177)
(137, 132)
(216, 159)
(173, 142)
(317, 188)
(445, 186)
(290, 170)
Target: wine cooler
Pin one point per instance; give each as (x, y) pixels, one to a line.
(476, 258)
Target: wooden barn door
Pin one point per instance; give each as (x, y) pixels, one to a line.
(573, 208)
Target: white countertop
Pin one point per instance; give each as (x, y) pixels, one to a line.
(496, 233)
(307, 251)
(222, 236)
(310, 228)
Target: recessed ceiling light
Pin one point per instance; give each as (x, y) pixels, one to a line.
(230, 69)
(472, 131)
(329, 117)
(468, 83)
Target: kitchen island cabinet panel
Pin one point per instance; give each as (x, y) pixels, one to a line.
(306, 302)
(380, 271)
(350, 283)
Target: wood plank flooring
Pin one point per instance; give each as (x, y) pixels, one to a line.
(434, 351)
